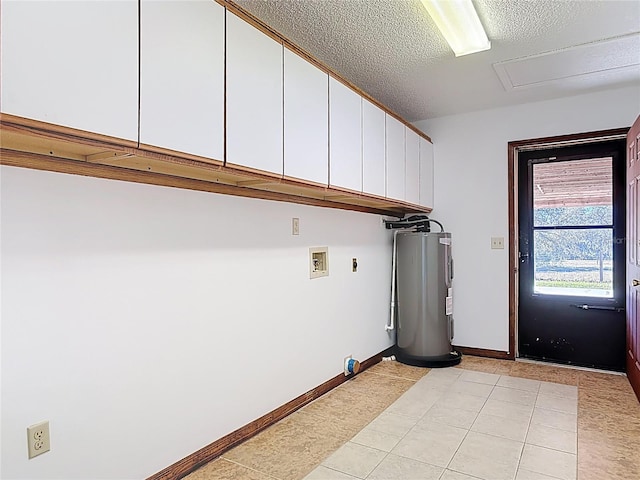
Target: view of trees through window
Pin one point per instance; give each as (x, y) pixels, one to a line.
(574, 261)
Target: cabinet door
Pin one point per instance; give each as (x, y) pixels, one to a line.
(426, 173)
(306, 123)
(373, 162)
(395, 158)
(72, 63)
(345, 137)
(412, 166)
(182, 76)
(254, 97)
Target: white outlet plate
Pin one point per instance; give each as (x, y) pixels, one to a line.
(295, 226)
(497, 243)
(38, 439)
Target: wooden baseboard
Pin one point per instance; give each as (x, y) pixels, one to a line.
(483, 352)
(213, 450)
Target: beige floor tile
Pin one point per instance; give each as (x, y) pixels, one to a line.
(354, 459)
(471, 388)
(445, 372)
(549, 462)
(393, 424)
(480, 377)
(432, 443)
(558, 390)
(324, 473)
(438, 382)
(509, 410)
(487, 457)
(510, 428)
(376, 439)
(513, 395)
(450, 416)
(416, 403)
(461, 401)
(554, 419)
(222, 469)
(559, 404)
(527, 475)
(293, 447)
(397, 369)
(519, 383)
(394, 467)
(553, 438)
(451, 475)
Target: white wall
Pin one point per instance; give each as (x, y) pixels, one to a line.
(471, 194)
(146, 322)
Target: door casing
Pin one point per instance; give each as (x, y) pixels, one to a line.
(513, 148)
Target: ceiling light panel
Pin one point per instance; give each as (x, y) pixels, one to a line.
(460, 25)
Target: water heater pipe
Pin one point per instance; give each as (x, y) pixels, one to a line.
(391, 325)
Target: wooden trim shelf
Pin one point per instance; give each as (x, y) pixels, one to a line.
(43, 146)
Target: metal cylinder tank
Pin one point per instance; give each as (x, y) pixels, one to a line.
(424, 299)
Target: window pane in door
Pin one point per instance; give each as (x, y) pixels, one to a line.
(570, 193)
(574, 262)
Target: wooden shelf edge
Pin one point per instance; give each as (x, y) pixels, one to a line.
(41, 146)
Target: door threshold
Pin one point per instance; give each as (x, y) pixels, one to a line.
(572, 367)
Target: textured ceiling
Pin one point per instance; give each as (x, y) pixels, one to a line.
(392, 50)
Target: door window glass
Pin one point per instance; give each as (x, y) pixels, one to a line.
(573, 227)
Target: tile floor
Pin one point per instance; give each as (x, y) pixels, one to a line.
(486, 419)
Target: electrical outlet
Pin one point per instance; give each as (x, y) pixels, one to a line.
(354, 265)
(295, 226)
(38, 439)
(345, 365)
(497, 243)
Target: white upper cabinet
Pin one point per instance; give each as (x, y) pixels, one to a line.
(412, 166)
(395, 150)
(345, 137)
(73, 64)
(373, 163)
(254, 98)
(426, 173)
(182, 76)
(306, 120)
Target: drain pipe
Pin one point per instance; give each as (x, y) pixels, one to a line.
(391, 325)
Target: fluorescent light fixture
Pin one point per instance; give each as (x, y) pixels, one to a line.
(460, 25)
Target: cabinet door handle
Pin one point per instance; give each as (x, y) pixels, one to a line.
(636, 282)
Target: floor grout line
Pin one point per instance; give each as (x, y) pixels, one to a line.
(252, 469)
